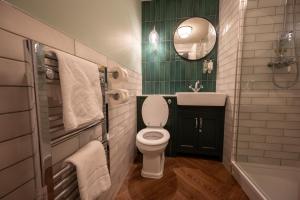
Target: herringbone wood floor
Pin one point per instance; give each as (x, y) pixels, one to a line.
(184, 179)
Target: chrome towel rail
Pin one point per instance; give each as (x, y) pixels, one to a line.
(63, 183)
(74, 133)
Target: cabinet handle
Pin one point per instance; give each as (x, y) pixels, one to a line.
(201, 123)
(196, 122)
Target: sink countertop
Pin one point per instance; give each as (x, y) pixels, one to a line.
(164, 95)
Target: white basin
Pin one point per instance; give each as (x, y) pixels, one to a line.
(200, 98)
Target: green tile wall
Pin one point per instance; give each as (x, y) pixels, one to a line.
(164, 72)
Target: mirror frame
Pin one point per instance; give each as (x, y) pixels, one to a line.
(175, 29)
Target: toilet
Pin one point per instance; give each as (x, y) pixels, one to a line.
(153, 140)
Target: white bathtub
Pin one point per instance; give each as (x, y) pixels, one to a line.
(268, 182)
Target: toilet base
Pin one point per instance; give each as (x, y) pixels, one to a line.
(153, 166)
(152, 175)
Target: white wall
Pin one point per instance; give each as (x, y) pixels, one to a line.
(111, 27)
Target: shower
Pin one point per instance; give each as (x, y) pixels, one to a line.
(286, 55)
(267, 160)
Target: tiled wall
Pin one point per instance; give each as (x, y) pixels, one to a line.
(269, 129)
(17, 155)
(231, 16)
(164, 72)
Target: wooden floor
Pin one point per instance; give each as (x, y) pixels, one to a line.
(184, 179)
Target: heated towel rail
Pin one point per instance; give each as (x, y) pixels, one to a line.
(59, 181)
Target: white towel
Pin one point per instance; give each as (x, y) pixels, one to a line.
(80, 89)
(91, 168)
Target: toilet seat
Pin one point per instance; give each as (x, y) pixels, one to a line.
(155, 111)
(160, 136)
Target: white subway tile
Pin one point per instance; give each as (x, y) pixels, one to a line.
(270, 19)
(260, 12)
(251, 138)
(253, 108)
(267, 116)
(283, 140)
(13, 73)
(284, 109)
(261, 37)
(292, 132)
(258, 45)
(268, 101)
(27, 191)
(283, 124)
(252, 123)
(291, 148)
(11, 45)
(263, 160)
(15, 150)
(13, 177)
(8, 125)
(266, 28)
(266, 131)
(270, 3)
(264, 146)
(250, 152)
(293, 117)
(291, 163)
(282, 155)
(14, 99)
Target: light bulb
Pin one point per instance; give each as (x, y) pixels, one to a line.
(153, 37)
(184, 31)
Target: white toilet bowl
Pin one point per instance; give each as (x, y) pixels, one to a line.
(153, 140)
(152, 143)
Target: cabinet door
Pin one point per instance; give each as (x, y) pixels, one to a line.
(187, 132)
(210, 133)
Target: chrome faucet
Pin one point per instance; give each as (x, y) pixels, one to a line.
(197, 87)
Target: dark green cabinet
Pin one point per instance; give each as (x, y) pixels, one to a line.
(187, 138)
(200, 130)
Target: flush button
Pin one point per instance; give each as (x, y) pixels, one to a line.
(169, 101)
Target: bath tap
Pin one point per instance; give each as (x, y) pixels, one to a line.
(197, 87)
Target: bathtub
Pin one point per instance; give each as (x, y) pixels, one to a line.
(268, 182)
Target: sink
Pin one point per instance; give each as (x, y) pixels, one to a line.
(200, 98)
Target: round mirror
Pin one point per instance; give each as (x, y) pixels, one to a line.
(194, 38)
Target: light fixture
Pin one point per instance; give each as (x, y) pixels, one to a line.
(153, 37)
(184, 31)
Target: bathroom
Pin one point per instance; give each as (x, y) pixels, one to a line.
(173, 121)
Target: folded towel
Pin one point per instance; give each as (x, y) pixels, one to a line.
(91, 168)
(80, 89)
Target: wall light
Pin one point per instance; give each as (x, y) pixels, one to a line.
(184, 31)
(154, 38)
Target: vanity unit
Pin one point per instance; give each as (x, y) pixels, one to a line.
(196, 123)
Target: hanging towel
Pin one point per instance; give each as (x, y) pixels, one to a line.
(91, 168)
(80, 89)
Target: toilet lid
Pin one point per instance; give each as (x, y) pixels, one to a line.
(155, 111)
